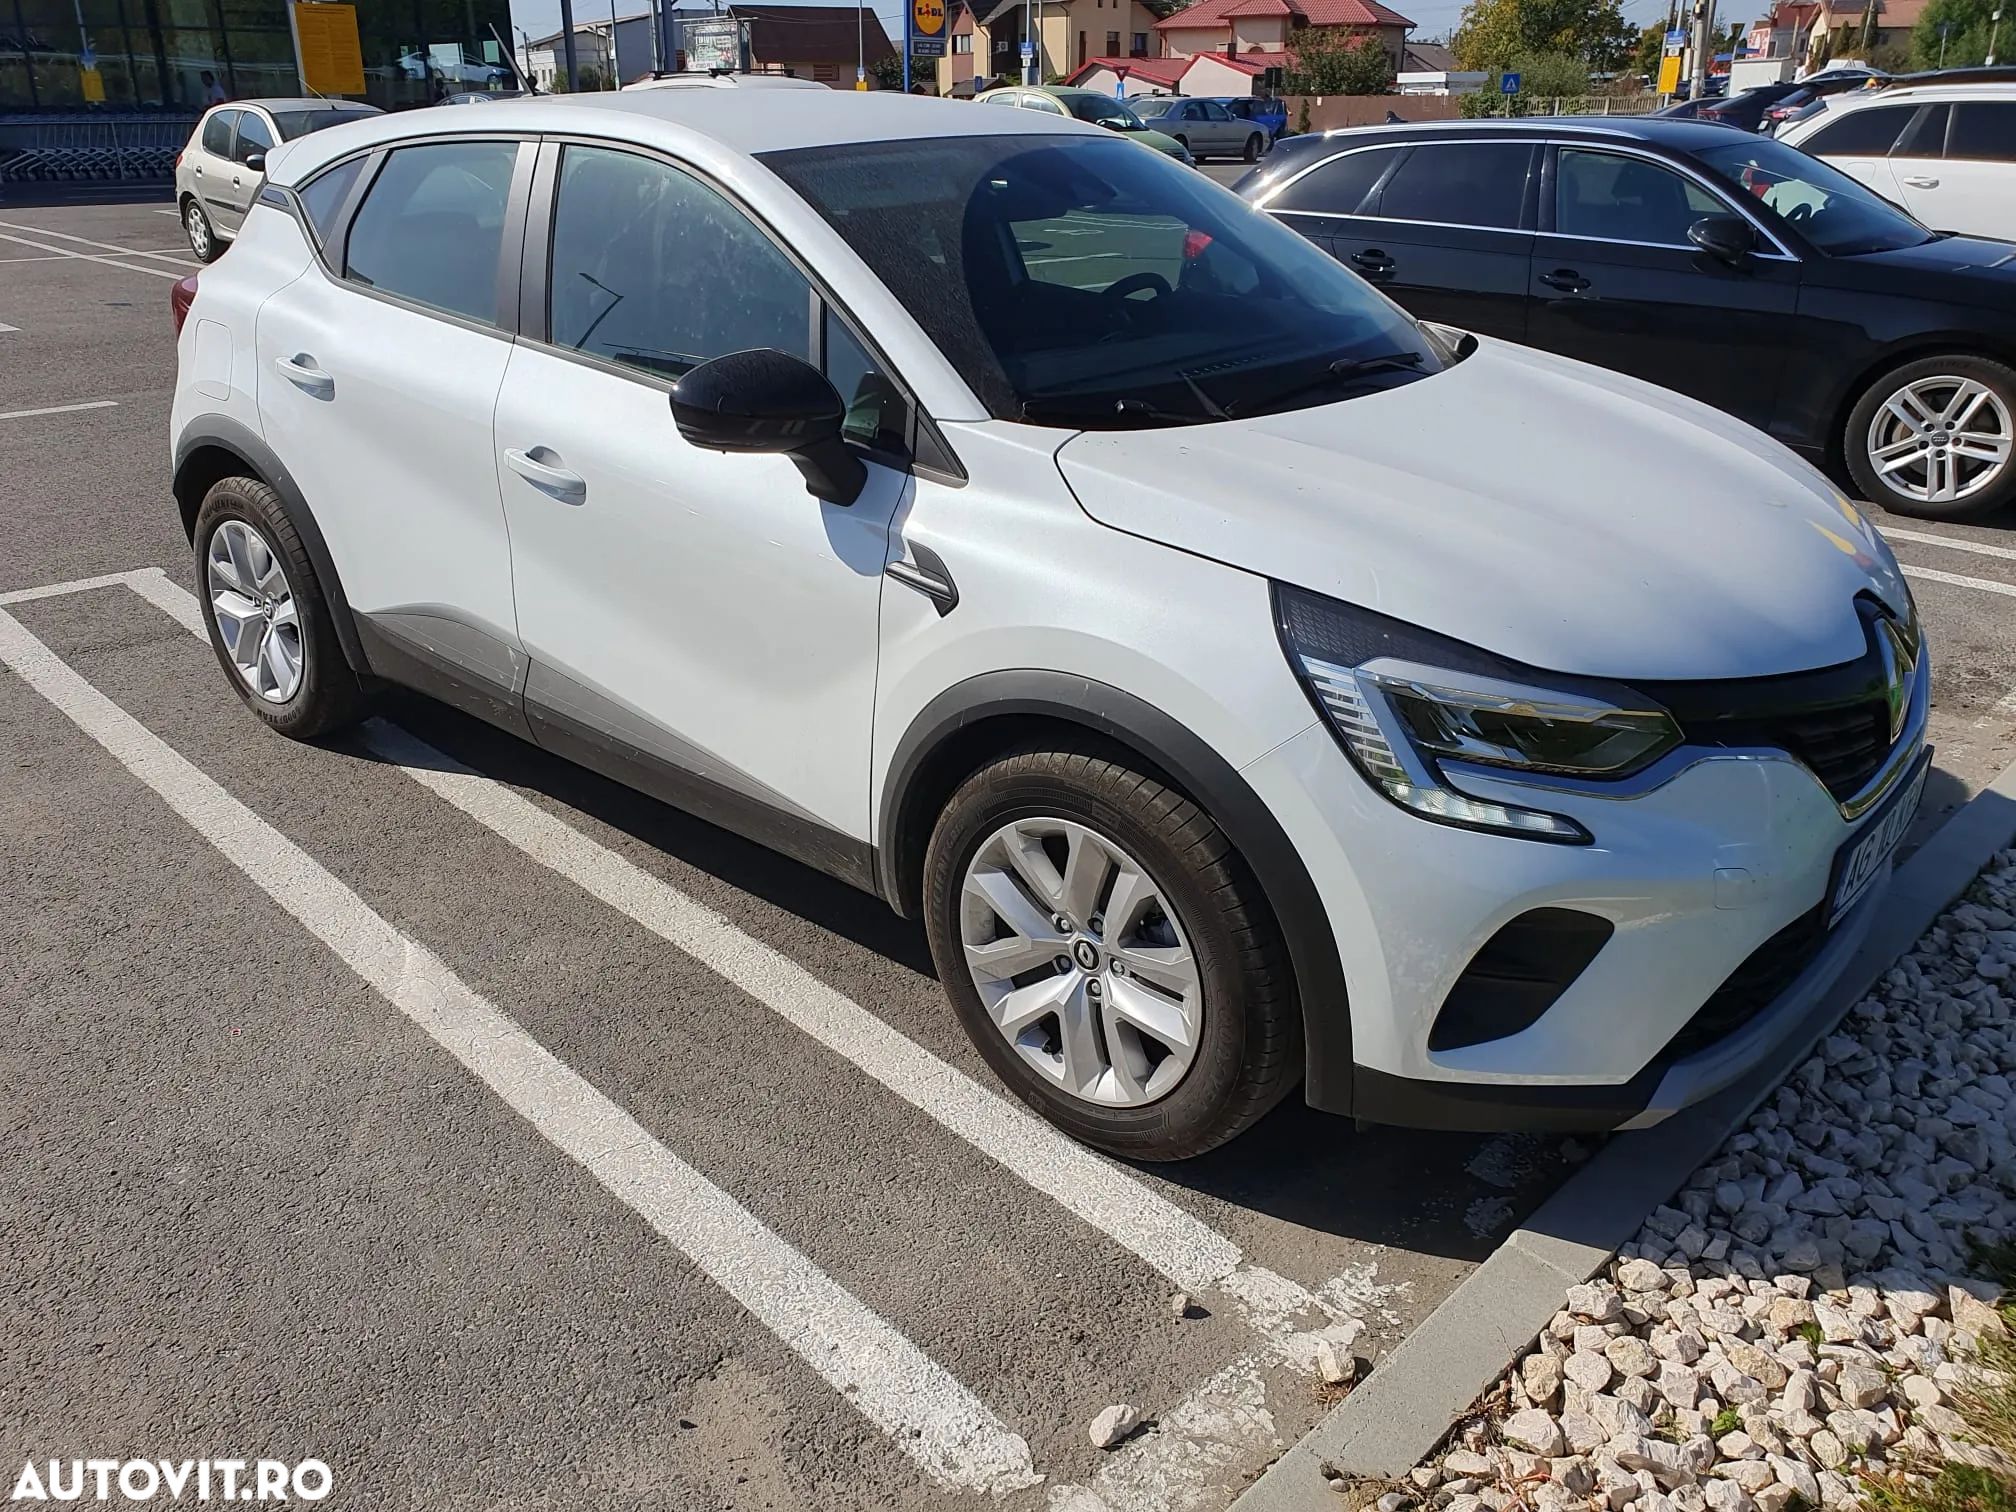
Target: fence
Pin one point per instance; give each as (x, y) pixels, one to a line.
(1332, 112)
(128, 145)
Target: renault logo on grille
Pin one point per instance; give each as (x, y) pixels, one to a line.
(1899, 651)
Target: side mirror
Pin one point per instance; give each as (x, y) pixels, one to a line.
(1729, 238)
(764, 400)
(1113, 123)
(256, 161)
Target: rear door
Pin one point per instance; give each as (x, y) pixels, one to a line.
(213, 165)
(1447, 233)
(238, 182)
(1973, 189)
(1617, 283)
(1917, 162)
(1325, 203)
(1858, 142)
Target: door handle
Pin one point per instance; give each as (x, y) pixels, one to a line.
(1921, 183)
(1372, 260)
(1567, 280)
(304, 375)
(532, 466)
(926, 572)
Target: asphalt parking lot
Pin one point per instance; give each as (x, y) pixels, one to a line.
(429, 1107)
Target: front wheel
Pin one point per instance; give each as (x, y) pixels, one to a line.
(1110, 953)
(1935, 437)
(1253, 147)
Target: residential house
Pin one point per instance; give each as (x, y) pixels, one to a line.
(1065, 35)
(825, 43)
(1252, 30)
(544, 59)
(1821, 29)
(1132, 77)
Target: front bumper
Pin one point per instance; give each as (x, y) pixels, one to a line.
(1713, 864)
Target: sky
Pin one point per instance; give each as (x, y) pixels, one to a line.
(1432, 18)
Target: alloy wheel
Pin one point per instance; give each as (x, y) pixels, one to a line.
(1941, 438)
(253, 606)
(198, 226)
(1081, 962)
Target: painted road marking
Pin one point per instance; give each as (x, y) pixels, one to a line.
(171, 254)
(91, 257)
(953, 1436)
(1122, 1207)
(1931, 575)
(79, 585)
(60, 409)
(1925, 538)
(4, 327)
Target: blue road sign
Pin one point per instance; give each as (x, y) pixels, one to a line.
(1028, 48)
(1508, 84)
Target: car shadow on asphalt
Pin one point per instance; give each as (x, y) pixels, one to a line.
(1452, 1195)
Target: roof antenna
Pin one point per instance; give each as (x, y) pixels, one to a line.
(511, 58)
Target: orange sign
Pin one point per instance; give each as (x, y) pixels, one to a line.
(326, 49)
(927, 17)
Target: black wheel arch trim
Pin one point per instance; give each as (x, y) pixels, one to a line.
(902, 831)
(194, 477)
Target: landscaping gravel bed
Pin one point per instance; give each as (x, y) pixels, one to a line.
(1807, 1307)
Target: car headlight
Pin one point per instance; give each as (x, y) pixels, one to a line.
(1406, 704)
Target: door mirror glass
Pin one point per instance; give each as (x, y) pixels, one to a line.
(764, 400)
(1728, 237)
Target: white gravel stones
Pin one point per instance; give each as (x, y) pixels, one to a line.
(1809, 1283)
(1113, 1425)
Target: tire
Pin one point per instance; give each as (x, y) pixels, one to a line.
(1244, 1028)
(1254, 147)
(242, 523)
(1978, 394)
(1184, 143)
(204, 243)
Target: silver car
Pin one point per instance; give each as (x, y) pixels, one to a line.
(217, 176)
(1207, 128)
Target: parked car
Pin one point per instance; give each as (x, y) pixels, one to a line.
(1733, 268)
(1746, 108)
(483, 96)
(1946, 152)
(1205, 127)
(219, 171)
(1265, 111)
(1091, 106)
(1818, 87)
(1244, 682)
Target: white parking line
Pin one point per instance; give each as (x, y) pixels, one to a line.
(169, 254)
(91, 257)
(1923, 538)
(81, 585)
(1986, 585)
(1183, 1248)
(60, 409)
(4, 327)
(950, 1433)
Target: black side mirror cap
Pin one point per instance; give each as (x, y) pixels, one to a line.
(1729, 238)
(256, 162)
(764, 400)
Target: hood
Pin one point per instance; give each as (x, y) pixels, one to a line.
(1160, 141)
(1553, 513)
(1969, 266)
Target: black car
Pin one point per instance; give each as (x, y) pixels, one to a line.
(1746, 109)
(1724, 265)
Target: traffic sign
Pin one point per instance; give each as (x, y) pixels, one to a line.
(1028, 48)
(1508, 84)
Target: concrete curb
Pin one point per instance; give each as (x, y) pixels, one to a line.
(1392, 1421)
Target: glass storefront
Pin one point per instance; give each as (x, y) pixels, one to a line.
(183, 54)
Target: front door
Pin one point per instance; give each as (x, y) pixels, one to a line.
(1617, 283)
(212, 167)
(378, 387)
(238, 183)
(697, 614)
(1444, 234)
(1972, 187)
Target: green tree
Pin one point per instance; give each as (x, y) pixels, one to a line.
(1543, 79)
(1328, 61)
(1651, 48)
(888, 72)
(1967, 28)
(1494, 32)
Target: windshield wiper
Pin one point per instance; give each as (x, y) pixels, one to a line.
(1342, 368)
(1111, 412)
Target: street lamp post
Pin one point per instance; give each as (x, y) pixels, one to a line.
(1994, 26)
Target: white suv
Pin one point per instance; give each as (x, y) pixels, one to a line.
(1945, 152)
(1244, 682)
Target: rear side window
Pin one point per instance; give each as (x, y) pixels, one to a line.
(1338, 187)
(1925, 137)
(324, 197)
(1860, 133)
(1611, 197)
(1459, 184)
(431, 226)
(217, 133)
(1984, 130)
(298, 123)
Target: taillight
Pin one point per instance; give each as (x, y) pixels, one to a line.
(180, 297)
(178, 158)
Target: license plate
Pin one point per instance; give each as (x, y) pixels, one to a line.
(1861, 861)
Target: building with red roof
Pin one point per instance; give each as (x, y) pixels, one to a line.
(1262, 32)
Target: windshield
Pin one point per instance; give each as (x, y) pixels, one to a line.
(1828, 208)
(298, 123)
(1086, 282)
(1099, 110)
